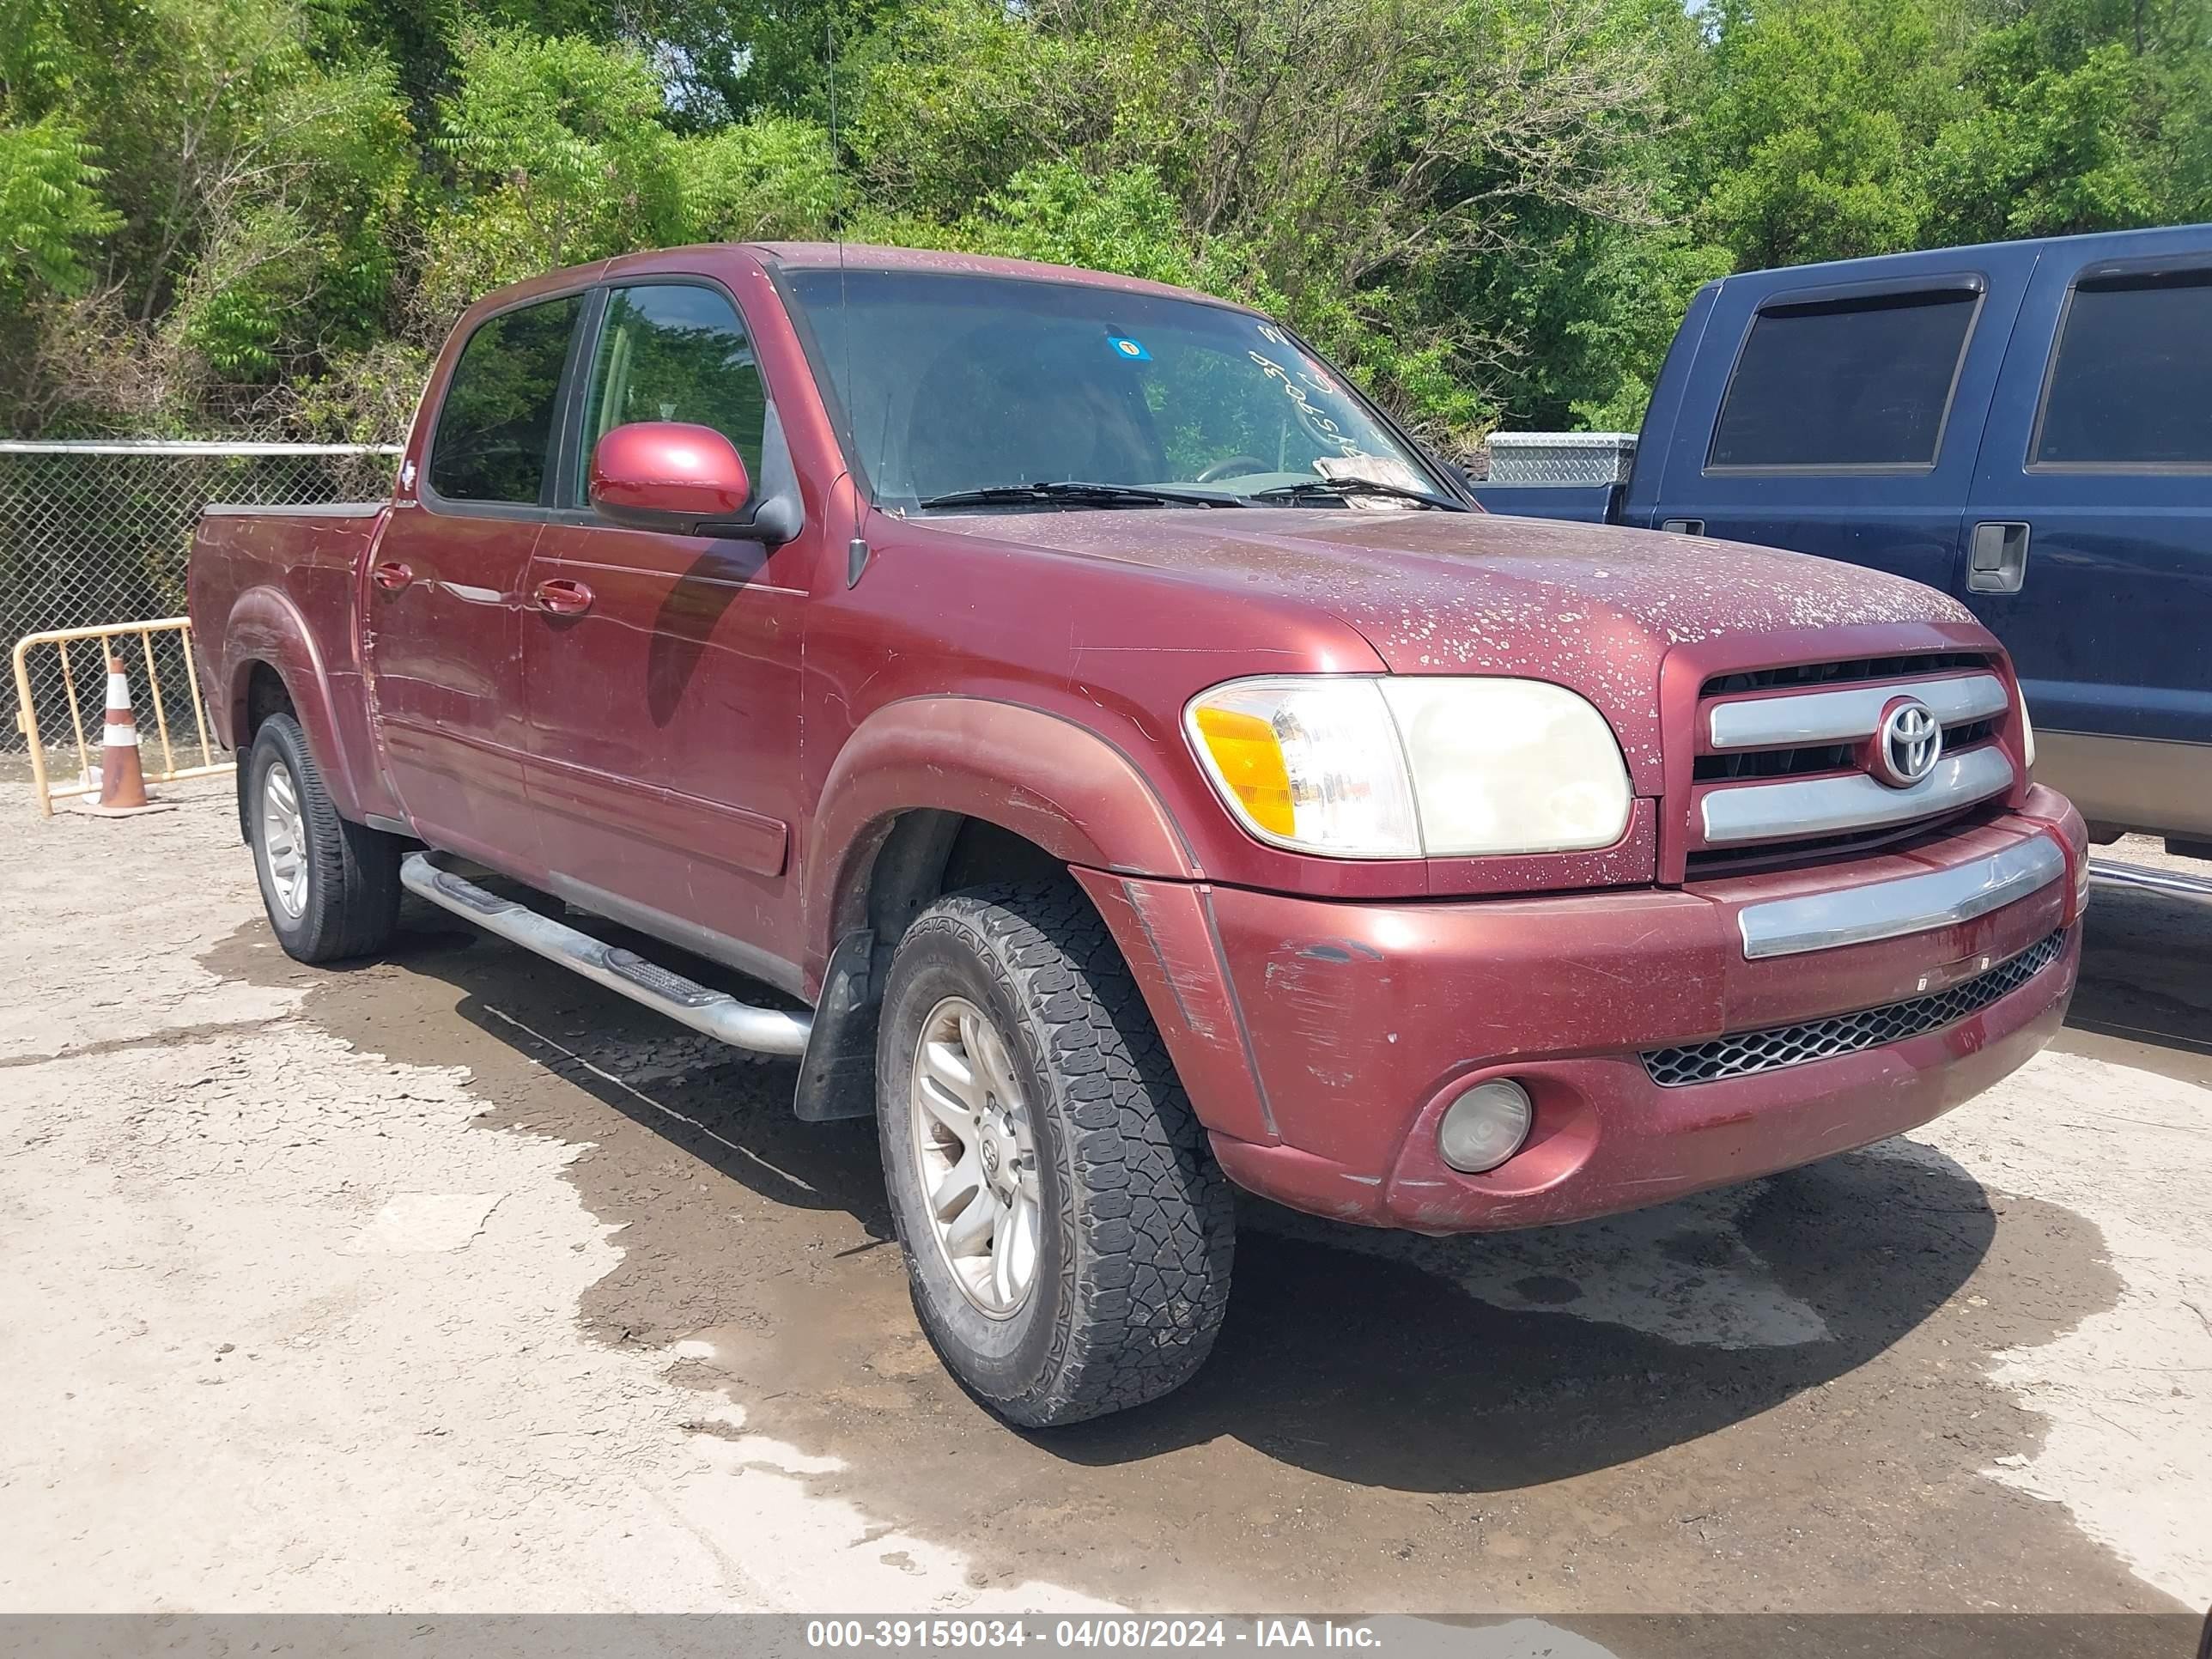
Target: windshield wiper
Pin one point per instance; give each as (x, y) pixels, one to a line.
(1342, 487)
(1077, 494)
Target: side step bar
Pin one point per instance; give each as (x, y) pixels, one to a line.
(2158, 881)
(740, 1024)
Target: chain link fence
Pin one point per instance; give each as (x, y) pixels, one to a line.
(97, 534)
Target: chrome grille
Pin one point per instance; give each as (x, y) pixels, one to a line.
(1821, 676)
(1748, 1052)
(1782, 753)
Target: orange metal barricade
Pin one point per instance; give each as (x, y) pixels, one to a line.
(60, 639)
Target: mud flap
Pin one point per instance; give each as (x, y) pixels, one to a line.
(837, 1077)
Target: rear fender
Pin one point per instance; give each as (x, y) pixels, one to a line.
(266, 627)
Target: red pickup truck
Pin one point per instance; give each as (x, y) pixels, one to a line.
(1133, 767)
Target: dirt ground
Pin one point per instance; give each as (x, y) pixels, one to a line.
(448, 1283)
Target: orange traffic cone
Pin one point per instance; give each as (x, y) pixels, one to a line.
(122, 780)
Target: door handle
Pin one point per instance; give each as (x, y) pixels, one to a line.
(564, 598)
(1683, 526)
(392, 576)
(1996, 558)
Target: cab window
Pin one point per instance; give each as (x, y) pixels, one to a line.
(496, 425)
(1859, 382)
(2128, 386)
(670, 351)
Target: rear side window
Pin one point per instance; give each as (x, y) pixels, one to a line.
(1862, 382)
(497, 424)
(2131, 382)
(669, 351)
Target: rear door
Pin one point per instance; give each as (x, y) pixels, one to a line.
(444, 597)
(663, 669)
(2092, 509)
(1842, 418)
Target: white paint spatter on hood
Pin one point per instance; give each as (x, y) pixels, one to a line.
(2128, 1392)
(1681, 1273)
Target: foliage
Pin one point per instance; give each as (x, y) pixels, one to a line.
(772, 179)
(50, 207)
(559, 156)
(261, 215)
(1861, 126)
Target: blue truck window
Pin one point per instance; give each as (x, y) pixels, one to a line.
(2128, 382)
(1860, 382)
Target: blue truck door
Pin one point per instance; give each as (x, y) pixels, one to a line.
(2090, 525)
(1843, 417)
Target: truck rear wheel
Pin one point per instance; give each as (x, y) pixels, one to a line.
(1068, 1234)
(330, 887)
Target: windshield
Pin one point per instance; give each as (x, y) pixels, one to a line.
(954, 382)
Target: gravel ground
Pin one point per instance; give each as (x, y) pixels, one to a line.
(447, 1282)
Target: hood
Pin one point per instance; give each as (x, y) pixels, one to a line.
(1589, 606)
(1440, 593)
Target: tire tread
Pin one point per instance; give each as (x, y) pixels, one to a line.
(353, 896)
(1151, 1241)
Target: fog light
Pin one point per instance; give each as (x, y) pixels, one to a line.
(1484, 1126)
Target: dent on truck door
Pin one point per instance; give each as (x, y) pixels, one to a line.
(1847, 414)
(444, 589)
(663, 669)
(2091, 523)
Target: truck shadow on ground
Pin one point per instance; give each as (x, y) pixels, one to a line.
(1812, 1331)
(2146, 982)
(1438, 1366)
(1351, 1352)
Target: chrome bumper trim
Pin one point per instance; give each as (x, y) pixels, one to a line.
(1836, 805)
(1785, 721)
(1908, 904)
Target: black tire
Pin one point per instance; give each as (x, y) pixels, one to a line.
(351, 900)
(1136, 1225)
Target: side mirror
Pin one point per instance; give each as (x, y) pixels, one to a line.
(669, 476)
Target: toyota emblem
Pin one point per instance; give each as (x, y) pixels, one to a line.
(1908, 743)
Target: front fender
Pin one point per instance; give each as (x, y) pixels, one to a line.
(265, 626)
(1083, 799)
(1044, 778)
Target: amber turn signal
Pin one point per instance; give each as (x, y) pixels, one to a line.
(1251, 762)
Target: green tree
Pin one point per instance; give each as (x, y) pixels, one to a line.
(265, 212)
(1819, 112)
(770, 178)
(2089, 115)
(50, 209)
(559, 156)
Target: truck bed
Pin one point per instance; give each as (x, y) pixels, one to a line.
(281, 585)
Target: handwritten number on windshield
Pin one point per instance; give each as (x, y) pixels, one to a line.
(1319, 424)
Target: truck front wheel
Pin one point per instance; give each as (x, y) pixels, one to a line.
(330, 887)
(1068, 1234)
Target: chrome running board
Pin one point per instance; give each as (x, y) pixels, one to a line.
(716, 1013)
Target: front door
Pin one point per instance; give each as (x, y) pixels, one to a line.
(2092, 518)
(663, 669)
(445, 591)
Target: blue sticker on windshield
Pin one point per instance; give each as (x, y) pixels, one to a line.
(1125, 346)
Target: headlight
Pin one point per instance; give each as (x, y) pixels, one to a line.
(1311, 764)
(2027, 732)
(1411, 767)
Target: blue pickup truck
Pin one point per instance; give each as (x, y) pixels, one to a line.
(2025, 425)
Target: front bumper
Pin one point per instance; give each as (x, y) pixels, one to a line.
(1321, 1040)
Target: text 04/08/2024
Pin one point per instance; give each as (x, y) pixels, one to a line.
(932, 1634)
